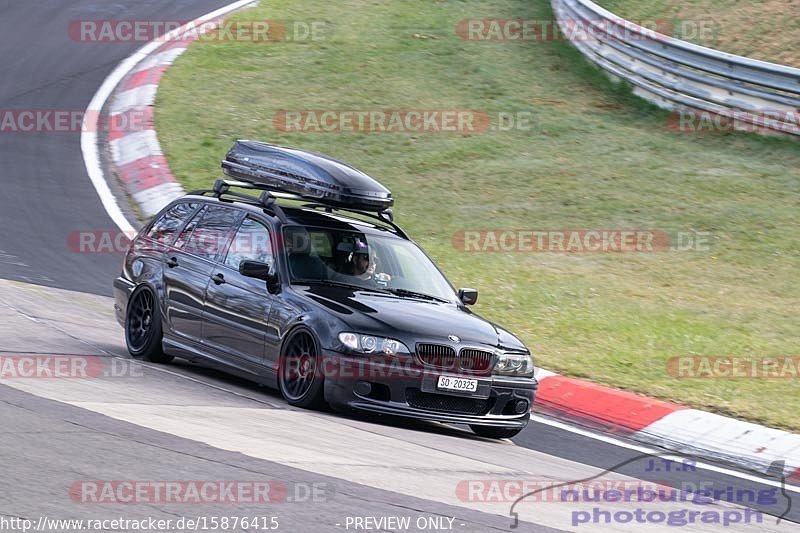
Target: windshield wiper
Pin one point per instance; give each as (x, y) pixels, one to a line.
(412, 294)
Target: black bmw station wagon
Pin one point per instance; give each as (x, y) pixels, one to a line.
(292, 273)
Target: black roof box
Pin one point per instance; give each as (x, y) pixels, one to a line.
(307, 174)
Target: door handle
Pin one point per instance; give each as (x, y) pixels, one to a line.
(219, 279)
(172, 262)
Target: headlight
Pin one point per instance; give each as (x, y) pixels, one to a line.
(367, 344)
(513, 364)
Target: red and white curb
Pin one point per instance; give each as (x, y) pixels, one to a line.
(127, 95)
(135, 151)
(668, 425)
(138, 160)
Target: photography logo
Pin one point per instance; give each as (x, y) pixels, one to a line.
(691, 497)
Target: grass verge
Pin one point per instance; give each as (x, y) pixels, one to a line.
(594, 157)
(768, 29)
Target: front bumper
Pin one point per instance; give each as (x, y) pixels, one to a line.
(392, 388)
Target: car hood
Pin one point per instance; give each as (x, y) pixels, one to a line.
(409, 320)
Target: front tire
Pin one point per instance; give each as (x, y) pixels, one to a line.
(143, 332)
(490, 432)
(300, 376)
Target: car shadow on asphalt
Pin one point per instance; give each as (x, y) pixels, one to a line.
(272, 396)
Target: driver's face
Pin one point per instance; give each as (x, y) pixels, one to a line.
(361, 263)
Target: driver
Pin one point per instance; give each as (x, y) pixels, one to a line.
(362, 262)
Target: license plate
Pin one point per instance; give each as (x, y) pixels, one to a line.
(457, 384)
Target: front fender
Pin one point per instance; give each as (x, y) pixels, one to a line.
(325, 329)
(297, 311)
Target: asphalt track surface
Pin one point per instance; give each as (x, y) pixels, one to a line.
(46, 194)
(169, 423)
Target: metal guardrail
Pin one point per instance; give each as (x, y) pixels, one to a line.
(678, 75)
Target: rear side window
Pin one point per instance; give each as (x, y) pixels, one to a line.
(166, 227)
(250, 244)
(180, 242)
(212, 232)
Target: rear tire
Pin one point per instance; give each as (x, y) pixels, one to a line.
(490, 432)
(143, 331)
(300, 375)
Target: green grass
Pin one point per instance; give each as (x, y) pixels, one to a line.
(595, 157)
(767, 29)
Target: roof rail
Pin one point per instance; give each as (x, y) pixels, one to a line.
(268, 200)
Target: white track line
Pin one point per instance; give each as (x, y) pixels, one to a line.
(660, 453)
(91, 153)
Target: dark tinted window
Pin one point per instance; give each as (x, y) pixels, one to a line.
(251, 243)
(165, 228)
(361, 260)
(212, 232)
(180, 242)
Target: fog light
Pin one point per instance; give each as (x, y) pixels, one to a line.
(363, 388)
(521, 406)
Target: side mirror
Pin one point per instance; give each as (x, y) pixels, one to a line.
(262, 271)
(255, 269)
(468, 296)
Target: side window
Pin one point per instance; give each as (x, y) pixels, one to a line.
(212, 232)
(165, 228)
(180, 242)
(251, 243)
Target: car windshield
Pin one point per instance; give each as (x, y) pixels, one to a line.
(368, 262)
